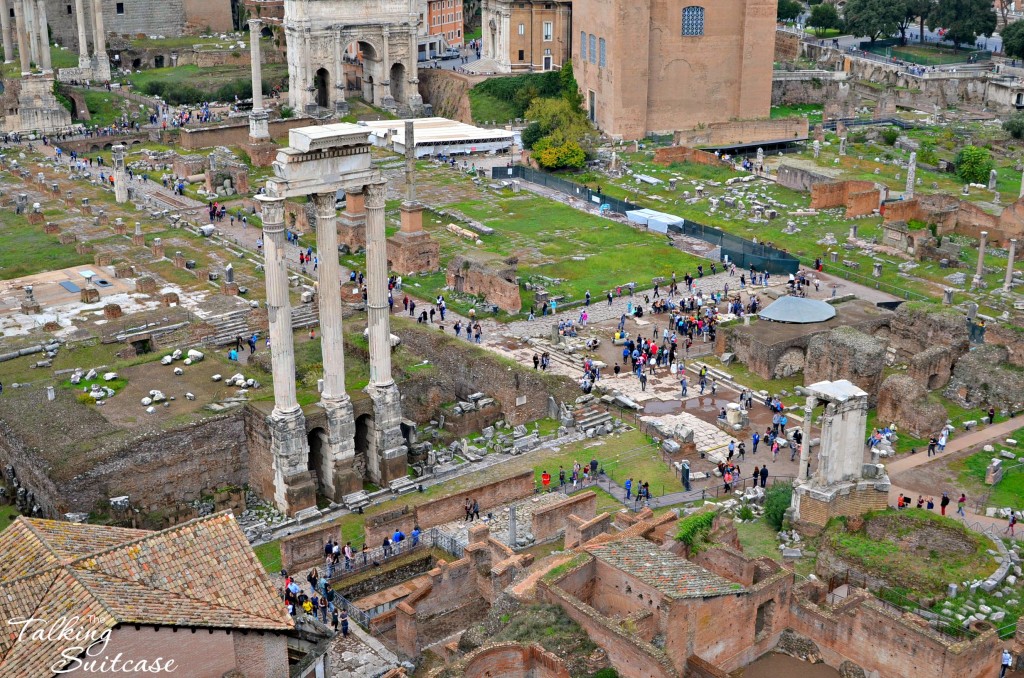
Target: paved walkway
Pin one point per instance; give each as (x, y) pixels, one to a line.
(966, 441)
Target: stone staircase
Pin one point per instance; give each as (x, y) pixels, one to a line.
(235, 323)
(593, 419)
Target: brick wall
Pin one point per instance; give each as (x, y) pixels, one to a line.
(579, 531)
(510, 660)
(259, 654)
(859, 197)
(551, 521)
(857, 502)
(743, 132)
(234, 133)
(451, 507)
(671, 154)
(787, 46)
(450, 601)
(300, 551)
(699, 668)
(201, 654)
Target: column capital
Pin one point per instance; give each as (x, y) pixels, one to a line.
(324, 204)
(255, 25)
(375, 193)
(272, 212)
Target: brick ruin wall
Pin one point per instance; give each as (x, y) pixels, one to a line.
(859, 197)
(743, 132)
(306, 549)
(234, 133)
(855, 502)
(448, 603)
(671, 154)
(951, 215)
(450, 507)
(579, 531)
(483, 282)
(798, 178)
(511, 660)
(551, 521)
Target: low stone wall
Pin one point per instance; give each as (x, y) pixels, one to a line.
(579, 531)
(857, 501)
(551, 521)
(800, 179)
(860, 198)
(233, 133)
(306, 549)
(511, 660)
(451, 507)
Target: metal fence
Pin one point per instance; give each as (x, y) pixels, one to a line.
(893, 48)
(744, 253)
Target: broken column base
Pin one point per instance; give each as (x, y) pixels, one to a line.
(352, 231)
(36, 218)
(294, 489)
(389, 446)
(261, 152)
(229, 289)
(812, 506)
(412, 250)
(31, 308)
(90, 295)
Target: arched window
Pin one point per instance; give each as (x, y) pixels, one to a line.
(693, 20)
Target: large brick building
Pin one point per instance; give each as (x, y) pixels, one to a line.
(444, 18)
(657, 66)
(527, 35)
(193, 594)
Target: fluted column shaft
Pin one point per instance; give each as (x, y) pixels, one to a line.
(5, 29)
(44, 36)
(1008, 281)
(83, 38)
(278, 304)
(331, 337)
(99, 33)
(24, 53)
(377, 286)
(255, 26)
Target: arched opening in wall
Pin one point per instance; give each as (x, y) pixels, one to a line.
(321, 82)
(265, 32)
(136, 64)
(790, 362)
(368, 68)
(316, 463)
(398, 82)
(937, 381)
(882, 333)
(364, 464)
(158, 61)
(107, 147)
(408, 431)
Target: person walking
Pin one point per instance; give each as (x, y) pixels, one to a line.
(764, 475)
(756, 438)
(643, 381)
(476, 510)
(1005, 662)
(943, 503)
(1010, 525)
(960, 503)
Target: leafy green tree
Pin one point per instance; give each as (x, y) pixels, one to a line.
(1015, 125)
(552, 156)
(789, 10)
(823, 17)
(913, 10)
(531, 134)
(890, 135)
(973, 164)
(964, 20)
(570, 88)
(1013, 40)
(873, 18)
(559, 120)
(777, 499)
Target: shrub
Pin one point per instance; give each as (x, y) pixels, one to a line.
(287, 112)
(973, 164)
(531, 134)
(890, 135)
(746, 513)
(1015, 125)
(568, 155)
(694, 529)
(776, 500)
(606, 673)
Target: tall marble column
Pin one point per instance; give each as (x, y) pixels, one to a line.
(30, 30)
(293, 484)
(24, 54)
(337, 477)
(1008, 281)
(83, 39)
(978, 281)
(259, 127)
(340, 81)
(102, 70)
(44, 37)
(120, 176)
(908, 192)
(5, 29)
(387, 459)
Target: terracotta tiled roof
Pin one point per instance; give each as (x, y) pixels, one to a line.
(673, 576)
(200, 573)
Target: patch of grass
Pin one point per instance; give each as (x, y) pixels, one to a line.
(269, 555)
(1009, 492)
(744, 376)
(694, 529)
(8, 514)
(759, 539)
(28, 250)
(486, 108)
(813, 111)
(556, 572)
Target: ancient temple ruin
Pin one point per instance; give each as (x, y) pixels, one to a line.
(842, 484)
(319, 162)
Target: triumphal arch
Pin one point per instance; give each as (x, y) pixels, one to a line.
(319, 34)
(318, 162)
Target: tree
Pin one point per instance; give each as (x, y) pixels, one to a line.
(913, 10)
(531, 134)
(964, 20)
(873, 18)
(551, 156)
(570, 88)
(973, 164)
(1013, 39)
(823, 17)
(777, 499)
(1015, 125)
(1004, 7)
(789, 10)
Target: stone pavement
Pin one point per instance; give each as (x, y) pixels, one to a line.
(498, 525)
(359, 656)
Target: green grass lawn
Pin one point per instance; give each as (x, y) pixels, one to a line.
(107, 107)
(486, 108)
(747, 378)
(1009, 492)
(27, 250)
(269, 555)
(208, 79)
(813, 112)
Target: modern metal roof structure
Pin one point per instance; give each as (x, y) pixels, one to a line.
(798, 310)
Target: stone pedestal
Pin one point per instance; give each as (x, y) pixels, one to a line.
(293, 483)
(387, 458)
(51, 228)
(31, 307)
(412, 250)
(352, 222)
(339, 475)
(89, 295)
(36, 218)
(229, 289)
